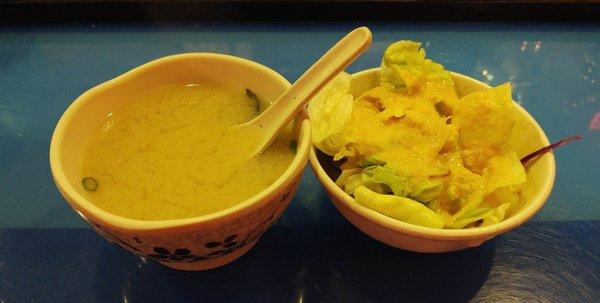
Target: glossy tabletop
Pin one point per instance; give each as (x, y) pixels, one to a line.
(312, 254)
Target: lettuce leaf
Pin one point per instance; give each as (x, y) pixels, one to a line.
(504, 170)
(383, 175)
(471, 216)
(506, 194)
(426, 190)
(330, 111)
(497, 215)
(485, 121)
(485, 118)
(402, 186)
(403, 209)
(495, 208)
(486, 215)
(405, 67)
(350, 179)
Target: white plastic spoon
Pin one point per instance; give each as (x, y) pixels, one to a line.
(267, 125)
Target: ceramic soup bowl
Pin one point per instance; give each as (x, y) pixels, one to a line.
(195, 243)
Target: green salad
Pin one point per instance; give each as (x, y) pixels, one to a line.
(413, 150)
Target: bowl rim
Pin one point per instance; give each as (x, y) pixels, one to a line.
(537, 200)
(77, 201)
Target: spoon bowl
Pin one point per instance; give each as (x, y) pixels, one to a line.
(267, 125)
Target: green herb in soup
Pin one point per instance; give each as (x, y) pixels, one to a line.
(172, 153)
(89, 183)
(254, 98)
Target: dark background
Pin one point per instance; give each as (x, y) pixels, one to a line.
(300, 11)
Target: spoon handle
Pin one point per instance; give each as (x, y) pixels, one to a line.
(285, 108)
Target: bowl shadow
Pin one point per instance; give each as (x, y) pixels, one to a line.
(342, 264)
(309, 263)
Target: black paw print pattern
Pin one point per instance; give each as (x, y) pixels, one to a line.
(179, 255)
(228, 246)
(285, 196)
(218, 248)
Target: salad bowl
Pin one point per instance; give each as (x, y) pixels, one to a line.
(534, 193)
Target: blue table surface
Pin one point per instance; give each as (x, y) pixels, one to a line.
(48, 253)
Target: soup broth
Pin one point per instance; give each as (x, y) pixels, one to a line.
(172, 153)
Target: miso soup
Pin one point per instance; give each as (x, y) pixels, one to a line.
(171, 153)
